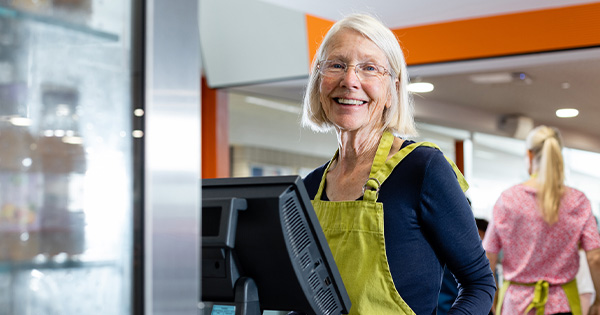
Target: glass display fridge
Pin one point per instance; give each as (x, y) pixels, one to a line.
(89, 220)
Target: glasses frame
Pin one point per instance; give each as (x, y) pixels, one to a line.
(382, 71)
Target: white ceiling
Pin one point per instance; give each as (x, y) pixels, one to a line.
(550, 73)
(400, 13)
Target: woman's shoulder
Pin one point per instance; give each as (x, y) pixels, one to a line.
(422, 152)
(425, 158)
(571, 191)
(426, 165)
(574, 197)
(518, 191)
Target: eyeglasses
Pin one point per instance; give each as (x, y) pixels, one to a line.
(364, 71)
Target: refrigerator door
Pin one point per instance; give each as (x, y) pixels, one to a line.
(66, 150)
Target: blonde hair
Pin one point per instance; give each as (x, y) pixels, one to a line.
(546, 145)
(399, 117)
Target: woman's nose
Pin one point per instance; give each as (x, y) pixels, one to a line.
(350, 78)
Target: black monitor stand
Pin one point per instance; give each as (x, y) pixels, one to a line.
(219, 263)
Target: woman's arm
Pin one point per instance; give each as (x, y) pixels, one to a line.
(593, 258)
(449, 222)
(493, 258)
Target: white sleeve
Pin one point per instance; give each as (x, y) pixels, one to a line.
(584, 278)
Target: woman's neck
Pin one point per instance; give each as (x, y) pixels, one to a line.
(356, 148)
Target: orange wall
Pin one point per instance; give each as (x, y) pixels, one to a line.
(215, 132)
(316, 28)
(511, 34)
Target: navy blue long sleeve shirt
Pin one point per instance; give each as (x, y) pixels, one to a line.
(428, 223)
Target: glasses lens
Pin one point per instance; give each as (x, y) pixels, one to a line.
(332, 67)
(369, 70)
(335, 68)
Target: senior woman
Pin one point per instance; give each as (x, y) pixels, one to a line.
(392, 210)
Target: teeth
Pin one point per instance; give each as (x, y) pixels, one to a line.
(349, 102)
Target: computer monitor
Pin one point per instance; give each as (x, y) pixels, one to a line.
(263, 249)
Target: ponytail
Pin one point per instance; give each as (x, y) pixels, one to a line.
(546, 145)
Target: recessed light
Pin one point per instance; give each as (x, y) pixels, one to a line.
(420, 87)
(491, 78)
(567, 112)
(20, 121)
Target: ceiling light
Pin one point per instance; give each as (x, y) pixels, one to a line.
(273, 105)
(500, 77)
(567, 112)
(491, 78)
(420, 87)
(20, 121)
(72, 140)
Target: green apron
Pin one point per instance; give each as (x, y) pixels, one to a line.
(354, 231)
(540, 296)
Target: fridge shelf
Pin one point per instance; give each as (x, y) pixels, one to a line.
(8, 12)
(11, 266)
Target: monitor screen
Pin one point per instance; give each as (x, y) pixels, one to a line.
(262, 244)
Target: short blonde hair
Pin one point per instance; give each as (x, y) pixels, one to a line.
(546, 145)
(399, 117)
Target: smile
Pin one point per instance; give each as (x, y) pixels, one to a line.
(345, 101)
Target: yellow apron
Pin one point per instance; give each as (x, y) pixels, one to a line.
(354, 231)
(540, 296)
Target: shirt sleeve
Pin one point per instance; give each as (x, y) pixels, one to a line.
(492, 242)
(590, 239)
(450, 225)
(584, 277)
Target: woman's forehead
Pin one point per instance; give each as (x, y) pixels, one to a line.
(350, 44)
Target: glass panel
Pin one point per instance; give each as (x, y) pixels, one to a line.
(444, 137)
(583, 173)
(65, 157)
(498, 163)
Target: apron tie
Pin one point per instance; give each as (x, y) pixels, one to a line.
(540, 297)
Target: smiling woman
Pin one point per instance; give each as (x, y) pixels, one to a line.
(354, 100)
(393, 211)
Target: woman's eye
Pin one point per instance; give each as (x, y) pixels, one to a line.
(370, 68)
(337, 65)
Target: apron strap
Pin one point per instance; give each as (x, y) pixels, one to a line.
(381, 169)
(540, 296)
(379, 162)
(572, 294)
(322, 184)
(501, 294)
(382, 174)
(385, 145)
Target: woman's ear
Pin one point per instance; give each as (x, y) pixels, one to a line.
(530, 157)
(397, 83)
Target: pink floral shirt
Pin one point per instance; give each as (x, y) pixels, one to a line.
(534, 250)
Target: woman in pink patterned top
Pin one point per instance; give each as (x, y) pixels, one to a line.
(539, 225)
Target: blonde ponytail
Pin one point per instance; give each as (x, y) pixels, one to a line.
(546, 145)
